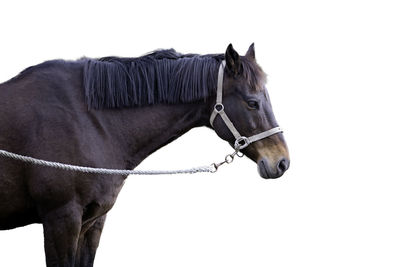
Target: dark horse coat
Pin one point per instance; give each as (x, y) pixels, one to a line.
(112, 113)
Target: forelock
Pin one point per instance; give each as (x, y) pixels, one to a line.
(253, 74)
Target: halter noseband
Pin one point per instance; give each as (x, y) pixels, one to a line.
(241, 141)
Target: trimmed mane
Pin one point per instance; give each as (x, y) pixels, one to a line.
(163, 76)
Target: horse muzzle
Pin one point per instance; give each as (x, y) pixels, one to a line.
(270, 170)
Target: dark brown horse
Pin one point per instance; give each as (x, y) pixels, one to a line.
(113, 113)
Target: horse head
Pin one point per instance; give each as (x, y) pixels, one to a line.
(247, 104)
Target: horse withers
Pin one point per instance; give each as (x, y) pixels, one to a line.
(112, 113)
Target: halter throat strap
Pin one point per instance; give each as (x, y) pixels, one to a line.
(240, 141)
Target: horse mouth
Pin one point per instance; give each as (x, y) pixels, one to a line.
(267, 172)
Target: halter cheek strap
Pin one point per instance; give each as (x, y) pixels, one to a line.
(240, 141)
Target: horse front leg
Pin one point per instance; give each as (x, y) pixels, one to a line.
(62, 227)
(88, 242)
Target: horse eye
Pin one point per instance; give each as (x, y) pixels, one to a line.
(252, 104)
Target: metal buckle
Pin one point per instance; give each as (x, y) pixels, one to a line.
(214, 167)
(229, 158)
(219, 107)
(241, 142)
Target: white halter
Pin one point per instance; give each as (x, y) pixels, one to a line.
(241, 141)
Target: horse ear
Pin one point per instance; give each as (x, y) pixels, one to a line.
(250, 52)
(232, 59)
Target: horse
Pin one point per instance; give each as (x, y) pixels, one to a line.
(113, 112)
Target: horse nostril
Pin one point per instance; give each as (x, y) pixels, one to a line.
(283, 165)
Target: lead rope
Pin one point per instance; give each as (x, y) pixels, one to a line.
(211, 168)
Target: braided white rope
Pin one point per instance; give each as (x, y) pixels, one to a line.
(101, 170)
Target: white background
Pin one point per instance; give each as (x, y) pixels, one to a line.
(333, 76)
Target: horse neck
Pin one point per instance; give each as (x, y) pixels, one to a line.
(149, 128)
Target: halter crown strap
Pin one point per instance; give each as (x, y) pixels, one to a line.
(241, 141)
(219, 107)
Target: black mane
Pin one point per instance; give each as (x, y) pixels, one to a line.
(164, 76)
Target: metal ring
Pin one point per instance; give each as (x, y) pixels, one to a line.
(219, 107)
(229, 158)
(240, 154)
(241, 142)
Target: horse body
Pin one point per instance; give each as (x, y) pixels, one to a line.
(44, 114)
